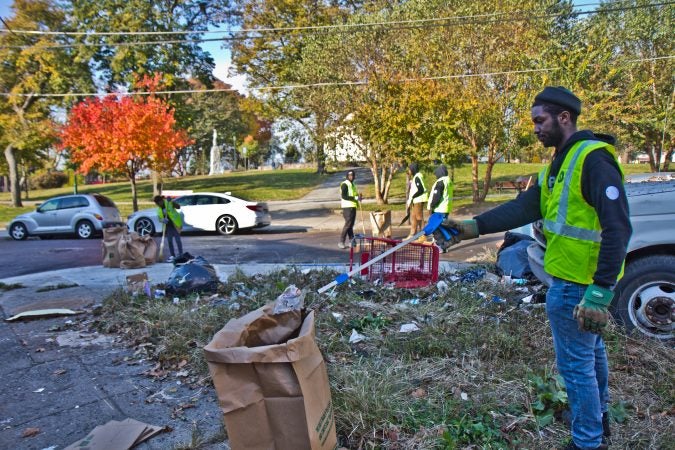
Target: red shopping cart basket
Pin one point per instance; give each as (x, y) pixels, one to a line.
(412, 266)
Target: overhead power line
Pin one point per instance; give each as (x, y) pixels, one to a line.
(477, 19)
(318, 84)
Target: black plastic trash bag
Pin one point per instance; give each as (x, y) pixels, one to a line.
(196, 275)
(512, 256)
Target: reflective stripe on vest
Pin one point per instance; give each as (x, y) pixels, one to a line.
(445, 206)
(351, 191)
(571, 225)
(420, 198)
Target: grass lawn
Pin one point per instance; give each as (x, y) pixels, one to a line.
(285, 185)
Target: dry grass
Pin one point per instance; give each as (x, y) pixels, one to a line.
(461, 381)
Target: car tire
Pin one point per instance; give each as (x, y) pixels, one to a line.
(226, 225)
(645, 297)
(144, 226)
(18, 231)
(84, 229)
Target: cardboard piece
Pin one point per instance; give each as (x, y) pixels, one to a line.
(116, 435)
(139, 284)
(272, 382)
(39, 313)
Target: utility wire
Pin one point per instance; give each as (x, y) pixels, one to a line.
(318, 84)
(342, 28)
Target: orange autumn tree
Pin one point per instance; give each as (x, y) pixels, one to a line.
(123, 133)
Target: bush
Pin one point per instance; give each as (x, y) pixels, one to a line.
(47, 179)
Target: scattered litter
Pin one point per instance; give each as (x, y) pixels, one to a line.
(235, 306)
(338, 317)
(491, 277)
(118, 435)
(527, 299)
(464, 396)
(367, 293)
(412, 301)
(37, 391)
(160, 293)
(442, 286)
(472, 276)
(138, 284)
(408, 328)
(40, 313)
(498, 299)
(455, 278)
(356, 337)
(176, 300)
(292, 299)
(53, 447)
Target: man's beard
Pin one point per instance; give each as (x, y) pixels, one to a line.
(554, 137)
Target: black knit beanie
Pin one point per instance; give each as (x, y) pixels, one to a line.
(560, 96)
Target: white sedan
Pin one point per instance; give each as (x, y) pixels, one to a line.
(206, 211)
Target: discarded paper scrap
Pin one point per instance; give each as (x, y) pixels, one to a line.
(37, 313)
(116, 435)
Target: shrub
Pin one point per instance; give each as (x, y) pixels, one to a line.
(47, 179)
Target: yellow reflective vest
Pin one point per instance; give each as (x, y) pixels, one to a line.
(445, 206)
(571, 225)
(174, 216)
(351, 190)
(413, 188)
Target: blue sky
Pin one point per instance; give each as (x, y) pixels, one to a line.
(222, 57)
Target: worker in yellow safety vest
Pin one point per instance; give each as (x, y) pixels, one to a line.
(349, 201)
(581, 200)
(417, 197)
(440, 199)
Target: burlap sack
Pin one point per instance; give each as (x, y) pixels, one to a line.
(131, 250)
(110, 253)
(272, 382)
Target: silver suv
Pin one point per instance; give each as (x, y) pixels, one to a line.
(82, 214)
(644, 298)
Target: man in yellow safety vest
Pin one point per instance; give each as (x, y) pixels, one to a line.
(581, 199)
(417, 197)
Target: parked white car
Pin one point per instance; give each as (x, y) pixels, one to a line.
(84, 215)
(206, 211)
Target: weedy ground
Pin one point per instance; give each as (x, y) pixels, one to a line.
(478, 374)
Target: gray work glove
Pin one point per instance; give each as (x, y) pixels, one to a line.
(457, 231)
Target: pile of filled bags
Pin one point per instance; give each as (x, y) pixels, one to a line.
(127, 250)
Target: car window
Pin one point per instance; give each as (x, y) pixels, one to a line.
(73, 202)
(204, 200)
(186, 200)
(104, 201)
(49, 205)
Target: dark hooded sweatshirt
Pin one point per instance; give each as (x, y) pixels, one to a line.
(599, 172)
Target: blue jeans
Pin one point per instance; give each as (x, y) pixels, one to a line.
(582, 362)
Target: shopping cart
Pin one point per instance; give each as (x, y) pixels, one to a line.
(412, 266)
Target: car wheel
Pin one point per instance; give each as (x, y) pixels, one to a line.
(144, 226)
(226, 225)
(18, 231)
(84, 229)
(645, 297)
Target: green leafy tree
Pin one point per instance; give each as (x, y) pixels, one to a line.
(34, 65)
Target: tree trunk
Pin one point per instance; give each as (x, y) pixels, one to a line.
(666, 161)
(14, 182)
(134, 198)
(474, 178)
(156, 183)
(488, 177)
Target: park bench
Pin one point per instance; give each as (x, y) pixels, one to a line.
(519, 184)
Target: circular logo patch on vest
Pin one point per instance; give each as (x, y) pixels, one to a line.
(612, 192)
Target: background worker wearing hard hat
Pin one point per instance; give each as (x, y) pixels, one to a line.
(417, 197)
(349, 201)
(581, 199)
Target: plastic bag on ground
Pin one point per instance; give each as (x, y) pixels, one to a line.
(196, 275)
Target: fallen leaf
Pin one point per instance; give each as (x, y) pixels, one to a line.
(39, 350)
(59, 372)
(182, 364)
(419, 393)
(28, 432)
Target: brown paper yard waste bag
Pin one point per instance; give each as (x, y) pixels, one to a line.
(131, 250)
(109, 245)
(272, 382)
